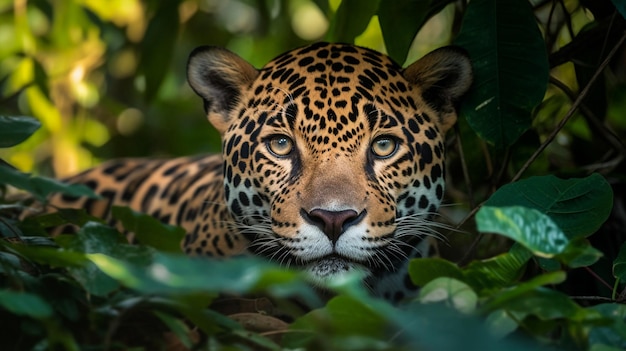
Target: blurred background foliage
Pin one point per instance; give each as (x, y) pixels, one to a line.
(107, 78)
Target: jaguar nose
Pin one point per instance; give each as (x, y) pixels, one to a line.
(332, 223)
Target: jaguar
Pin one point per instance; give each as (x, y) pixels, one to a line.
(332, 161)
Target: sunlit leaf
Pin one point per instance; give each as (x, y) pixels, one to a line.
(500, 323)
(497, 272)
(452, 292)
(510, 68)
(351, 19)
(180, 275)
(25, 304)
(529, 227)
(15, 129)
(400, 20)
(578, 206)
(97, 239)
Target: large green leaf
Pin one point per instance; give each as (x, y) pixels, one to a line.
(149, 230)
(527, 226)
(157, 46)
(423, 270)
(180, 275)
(611, 334)
(578, 206)
(452, 292)
(25, 304)
(545, 304)
(15, 129)
(510, 68)
(501, 299)
(351, 19)
(400, 20)
(41, 187)
(497, 272)
(97, 239)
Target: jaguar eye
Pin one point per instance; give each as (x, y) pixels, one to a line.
(280, 145)
(384, 147)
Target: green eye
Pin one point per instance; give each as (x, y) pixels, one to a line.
(384, 147)
(280, 145)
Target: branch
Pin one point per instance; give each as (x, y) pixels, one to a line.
(572, 109)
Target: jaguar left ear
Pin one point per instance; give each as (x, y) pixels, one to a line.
(218, 76)
(443, 77)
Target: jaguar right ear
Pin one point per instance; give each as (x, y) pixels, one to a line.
(218, 76)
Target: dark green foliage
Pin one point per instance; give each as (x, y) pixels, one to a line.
(510, 67)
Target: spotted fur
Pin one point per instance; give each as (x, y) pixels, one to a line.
(332, 161)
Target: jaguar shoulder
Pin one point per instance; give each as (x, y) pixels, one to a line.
(332, 161)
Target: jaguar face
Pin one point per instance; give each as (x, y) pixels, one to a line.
(333, 154)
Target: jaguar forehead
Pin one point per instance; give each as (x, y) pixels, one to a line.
(323, 90)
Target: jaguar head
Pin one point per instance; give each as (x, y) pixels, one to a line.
(333, 154)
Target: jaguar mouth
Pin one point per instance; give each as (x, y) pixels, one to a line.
(332, 266)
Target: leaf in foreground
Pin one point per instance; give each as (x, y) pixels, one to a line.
(15, 129)
(529, 227)
(25, 304)
(579, 206)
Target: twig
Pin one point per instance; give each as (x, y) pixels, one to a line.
(571, 111)
(590, 271)
(592, 298)
(466, 176)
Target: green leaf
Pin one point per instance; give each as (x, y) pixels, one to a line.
(503, 298)
(400, 20)
(619, 265)
(543, 303)
(50, 256)
(612, 334)
(15, 129)
(424, 270)
(452, 292)
(95, 238)
(25, 304)
(510, 68)
(351, 19)
(499, 271)
(579, 253)
(529, 227)
(157, 46)
(149, 230)
(180, 275)
(578, 206)
(500, 323)
(41, 187)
